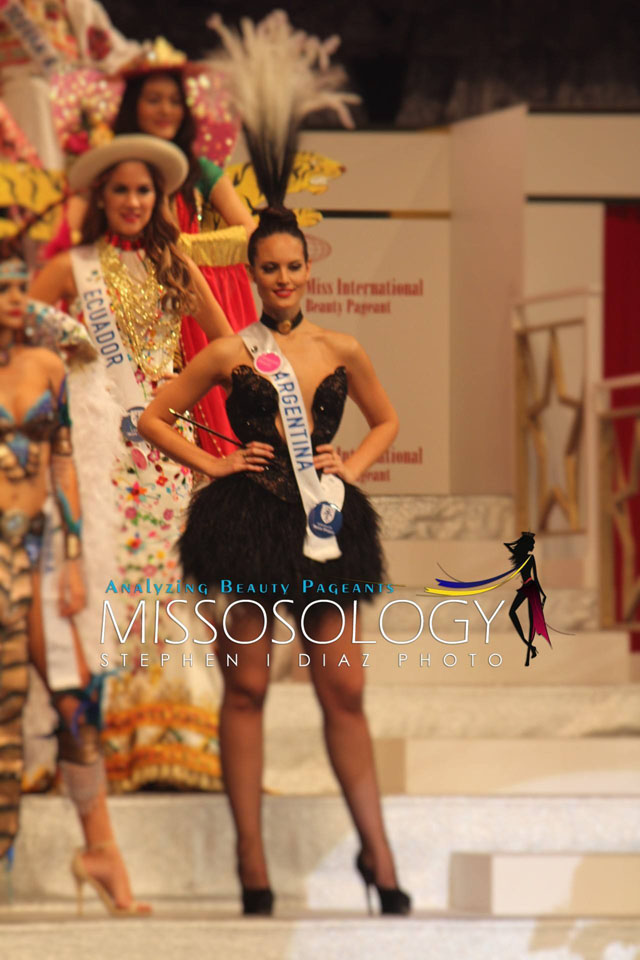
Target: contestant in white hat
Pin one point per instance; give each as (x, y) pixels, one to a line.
(183, 103)
(128, 181)
(164, 156)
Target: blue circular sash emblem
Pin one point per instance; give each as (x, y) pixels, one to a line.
(325, 520)
(129, 424)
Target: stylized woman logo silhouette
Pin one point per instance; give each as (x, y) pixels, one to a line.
(531, 591)
(523, 563)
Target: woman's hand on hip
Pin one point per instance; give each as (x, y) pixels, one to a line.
(252, 458)
(329, 461)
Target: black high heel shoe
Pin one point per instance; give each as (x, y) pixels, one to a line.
(257, 902)
(392, 899)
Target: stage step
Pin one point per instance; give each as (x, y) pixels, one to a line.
(410, 637)
(429, 767)
(468, 532)
(515, 884)
(53, 934)
(591, 657)
(454, 740)
(467, 713)
(181, 845)
(416, 562)
(569, 609)
(607, 766)
(446, 517)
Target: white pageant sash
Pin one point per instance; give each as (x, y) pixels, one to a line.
(103, 329)
(31, 36)
(322, 497)
(91, 403)
(62, 668)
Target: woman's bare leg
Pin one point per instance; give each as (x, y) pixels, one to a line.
(340, 692)
(518, 601)
(515, 620)
(102, 857)
(241, 752)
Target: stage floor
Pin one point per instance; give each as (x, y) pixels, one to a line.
(204, 929)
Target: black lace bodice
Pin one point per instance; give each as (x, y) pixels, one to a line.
(252, 407)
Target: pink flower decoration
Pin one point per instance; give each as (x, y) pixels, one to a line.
(167, 514)
(139, 375)
(154, 455)
(149, 570)
(99, 43)
(136, 491)
(77, 142)
(130, 513)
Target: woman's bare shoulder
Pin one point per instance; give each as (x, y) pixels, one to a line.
(42, 360)
(345, 346)
(62, 261)
(55, 280)
(226, 348)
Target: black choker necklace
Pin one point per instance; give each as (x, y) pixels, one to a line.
(282, 326)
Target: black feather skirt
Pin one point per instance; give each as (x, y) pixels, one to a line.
(241, 532)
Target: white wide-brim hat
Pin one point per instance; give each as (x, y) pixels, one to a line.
(162, 154)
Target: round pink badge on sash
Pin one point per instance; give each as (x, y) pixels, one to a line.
(268, 362)
(139, 458)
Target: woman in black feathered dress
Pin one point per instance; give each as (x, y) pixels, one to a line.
(248, 526)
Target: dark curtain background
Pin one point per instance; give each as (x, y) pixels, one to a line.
(418, 63)
(622, 335)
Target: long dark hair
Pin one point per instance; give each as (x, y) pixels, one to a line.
(276, 220)
(126, 121)
(159, 239)
(521, 548)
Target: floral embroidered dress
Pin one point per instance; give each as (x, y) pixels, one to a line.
(161, 721)
(73, 33)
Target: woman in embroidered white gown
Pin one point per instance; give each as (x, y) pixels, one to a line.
(160, 724)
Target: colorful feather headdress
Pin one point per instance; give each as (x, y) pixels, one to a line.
(277, 76)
